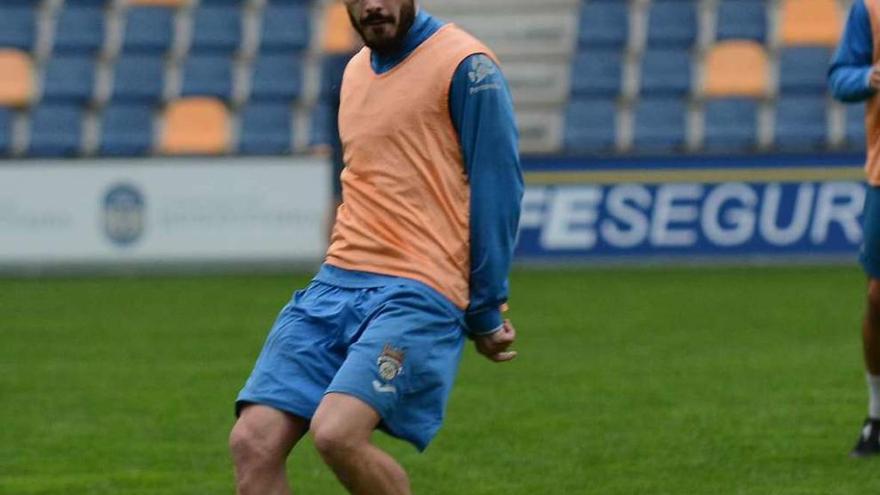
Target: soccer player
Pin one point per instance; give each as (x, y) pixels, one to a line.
(418, 259)
(854, 77)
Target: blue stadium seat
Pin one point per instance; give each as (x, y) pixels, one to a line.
(731, 124)
(79, 30)
(208, 75)
(855, 126)
(277, 77)
(138, 78)
(666, 72)
(742, 19)
(265, 129)
(672, 23)
(69, 79)
(216, 29)
(801, 123)
(320, 127)
(285, 28)
(597, 72)
(126, 130)
(6, 118)
(17, 26)
(148, 30)
(660, 124)
(802, 69)
(56, 130)
(604, 23)
(590, 126)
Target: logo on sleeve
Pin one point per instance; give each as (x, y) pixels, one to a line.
(480, 75)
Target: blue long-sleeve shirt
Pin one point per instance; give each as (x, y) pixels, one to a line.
(481, 108)
(850, 71)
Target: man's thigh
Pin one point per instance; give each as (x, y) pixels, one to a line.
(403, 364)
(303, 351)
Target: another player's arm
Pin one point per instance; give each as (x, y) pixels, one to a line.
(482, 110)
(852, 75)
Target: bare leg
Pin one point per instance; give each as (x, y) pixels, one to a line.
(342, 427)
(260, 442)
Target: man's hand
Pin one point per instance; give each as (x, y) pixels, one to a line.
(494, 346)
(874, 80)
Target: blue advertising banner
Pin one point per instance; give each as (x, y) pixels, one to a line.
(695, 207)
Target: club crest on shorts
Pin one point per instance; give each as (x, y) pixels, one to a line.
(390, 362)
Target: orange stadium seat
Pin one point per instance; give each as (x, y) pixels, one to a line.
(16, 78)
(339, 37)
(736, 68)
(158, 3)
(810, 22)
(196, 126)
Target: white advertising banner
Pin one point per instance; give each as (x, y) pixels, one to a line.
(162, 210)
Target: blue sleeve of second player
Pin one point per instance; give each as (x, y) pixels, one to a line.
(481, 108)
(852, 62)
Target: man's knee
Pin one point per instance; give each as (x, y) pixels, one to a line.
(333, 441)
(342, 425)
(263, 437)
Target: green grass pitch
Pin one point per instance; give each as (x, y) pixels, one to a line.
(629, 381)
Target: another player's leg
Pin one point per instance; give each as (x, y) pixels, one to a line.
(868, 443)
(342, 428)
(260, 442)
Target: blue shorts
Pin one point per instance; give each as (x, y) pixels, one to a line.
(869, 254)
(395, 347)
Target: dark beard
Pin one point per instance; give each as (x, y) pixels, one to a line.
(407, 18)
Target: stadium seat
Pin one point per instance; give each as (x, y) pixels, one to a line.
(79, 30)
(802, 69)
(597, 72)
(6, 118)
(265, 129)
(604, 23)
(208, 75)
(69, 79)
(216, 29)
(138, 78)
(742, 19)
(126, 130)
(590, 126)
(17, 26)
(16, 78)
(855, 126)
(810, 22)
(666, 71)
(801, 123)
(319, 132)
(148, 30)
(672, 23)
(736, 68)
(285, 28)
(730, 125)
(339, 37)
(56, 130)
(277, 77)
(660, 125)
(195, 126)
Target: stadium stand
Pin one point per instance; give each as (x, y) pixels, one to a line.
(855, 126)
(6, 119)
(571, 64)
(196, 126)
